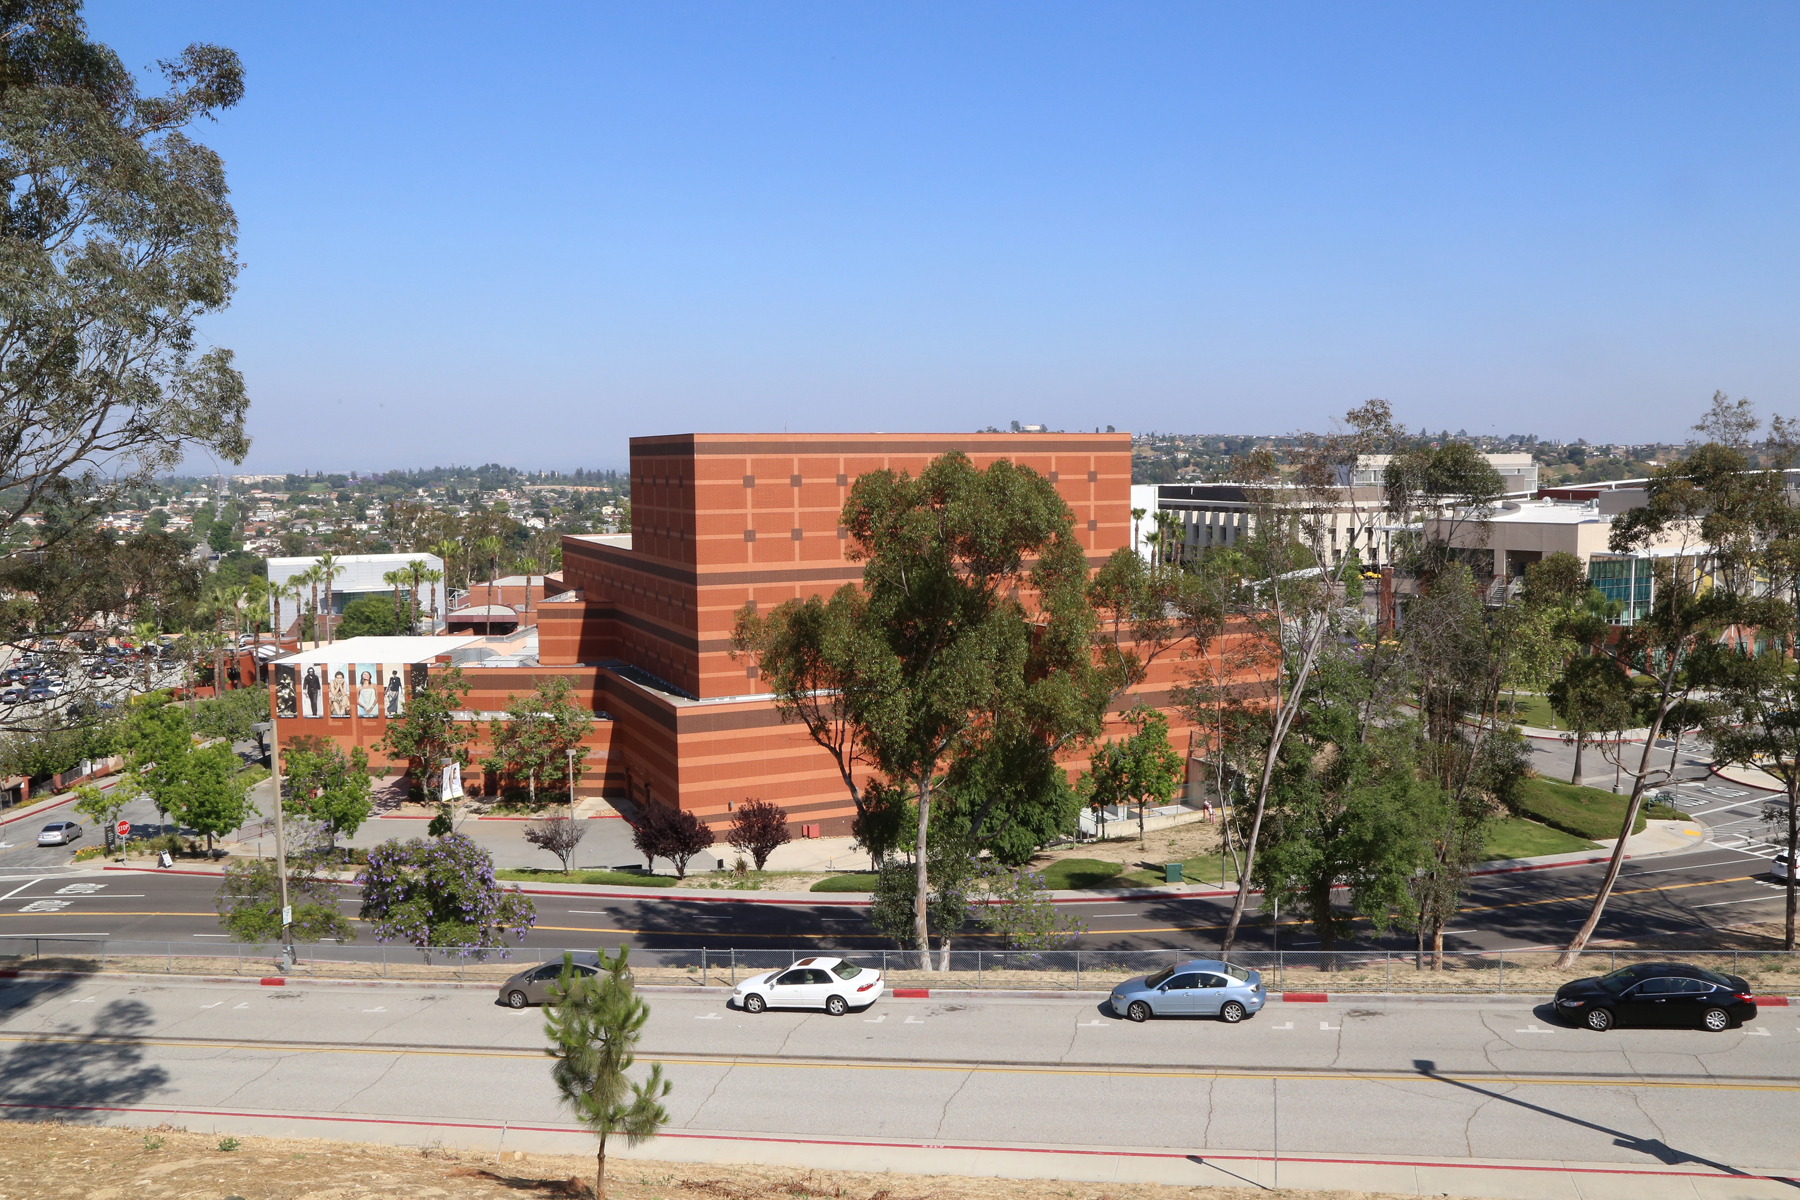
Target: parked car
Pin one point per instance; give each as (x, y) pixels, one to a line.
(1778, 866)
(1663, 995)
(1203, 987)
(828, 983)
(58, 833)
(532, 985)
(38, 691)
(12, 695)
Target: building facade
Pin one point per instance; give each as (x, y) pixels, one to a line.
(642, 625)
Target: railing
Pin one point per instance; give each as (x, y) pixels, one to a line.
(1497, 972)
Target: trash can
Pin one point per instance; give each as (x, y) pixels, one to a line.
(1173, 872)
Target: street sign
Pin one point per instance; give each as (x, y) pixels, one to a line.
(124, 828)
(287, 915)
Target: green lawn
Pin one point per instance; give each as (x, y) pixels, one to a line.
(612, 878)
(1515, 837)
(1585, 812)
(1534, 711)
(864, 882)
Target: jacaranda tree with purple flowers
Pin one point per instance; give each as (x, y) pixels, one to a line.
(441, 895)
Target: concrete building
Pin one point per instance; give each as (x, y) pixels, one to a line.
(643, 626)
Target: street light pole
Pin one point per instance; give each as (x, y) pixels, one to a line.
(571, 785)
(287, 912)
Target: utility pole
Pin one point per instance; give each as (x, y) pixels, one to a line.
(571, 786)
(287, 911)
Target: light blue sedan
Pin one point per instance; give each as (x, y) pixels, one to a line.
(1204, 987)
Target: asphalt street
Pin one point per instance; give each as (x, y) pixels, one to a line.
(1489, 1080)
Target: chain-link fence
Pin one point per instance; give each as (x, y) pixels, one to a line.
(1533, 972)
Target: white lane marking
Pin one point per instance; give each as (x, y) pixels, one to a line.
(245, 1004)
(914, 1021)
(1096, 1023)
(710, 1017)
(214, 1004)
(46, 906)
(1756, 1033)
(22, 887)
(1532, 1028)
(1289, 1025)
(86, 1000)
(79, 889)
(1751, 900)
(875, 1020)
(377, 1008)
(1324, 1026)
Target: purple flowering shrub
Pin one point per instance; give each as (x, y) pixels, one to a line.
(441, 895)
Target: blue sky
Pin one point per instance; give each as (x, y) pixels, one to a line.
(526, 233)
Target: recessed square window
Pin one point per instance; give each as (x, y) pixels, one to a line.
(1092, 525)
(1055, 475)
(842, 533)
(749, 481)
(749, 535)
(1093, 477)
(796, 534)
(843, 479)
(793, 481)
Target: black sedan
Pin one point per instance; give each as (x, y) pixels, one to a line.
(1666, 995)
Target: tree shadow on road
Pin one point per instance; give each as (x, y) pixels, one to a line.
(67, 1070)
(1655, 1148)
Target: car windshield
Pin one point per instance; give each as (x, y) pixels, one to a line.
(1161, 977)
(1618, 981)
(1237, 973)
(846, 971)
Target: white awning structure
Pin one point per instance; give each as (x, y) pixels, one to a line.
(381, 650)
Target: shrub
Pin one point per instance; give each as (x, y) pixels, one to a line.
(663, 831)
(757, 829)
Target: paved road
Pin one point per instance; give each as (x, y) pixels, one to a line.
(1711, 886)
(1451, 1081)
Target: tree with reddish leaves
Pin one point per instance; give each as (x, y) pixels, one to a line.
(663, 831)
(758, 829)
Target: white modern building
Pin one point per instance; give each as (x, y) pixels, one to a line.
(361, 576)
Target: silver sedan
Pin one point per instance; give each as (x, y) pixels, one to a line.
(1203, 987)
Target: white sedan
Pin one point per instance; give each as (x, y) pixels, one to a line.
(828, 983)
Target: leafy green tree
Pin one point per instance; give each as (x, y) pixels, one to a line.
(593, 1025)
(157, 739)
(1016, 907)
(208, 791)
(441, 895)
(231, 714)
(1593, 696)
(427, 734)
(539, 731)
(326, 785)
(934, 660)
(1141, 770)
(103, 806)
(119, 239)
(249, 902)
(368, 616)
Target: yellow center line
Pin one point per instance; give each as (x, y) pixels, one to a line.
(1124, 1072)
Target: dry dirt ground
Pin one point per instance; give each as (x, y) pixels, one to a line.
(84, 1163)
(1178, 843)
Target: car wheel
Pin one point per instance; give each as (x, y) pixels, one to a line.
(1139, 1011)
(1715, 1020)
(1599, 1019)
(516, 998)
(754, 1003)
(1232, 1012)
(836, 1006)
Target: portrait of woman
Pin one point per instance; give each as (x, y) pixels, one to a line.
(312, 689)
(368, 690)
(396, 695)
(340, 691)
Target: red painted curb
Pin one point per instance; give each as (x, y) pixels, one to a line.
(1304, 997)
(272, 981)
(1770, 1001)
(911, 993)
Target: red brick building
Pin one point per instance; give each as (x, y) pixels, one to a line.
(643, 625)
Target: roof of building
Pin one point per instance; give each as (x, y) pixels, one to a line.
(1546, 512)
(380, 650)
(485, 612)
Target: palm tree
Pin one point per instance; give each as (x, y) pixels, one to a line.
(330, 569)
(433, 578)
(1137, 514)
(415, 571)
(310, 578)
(394, 579)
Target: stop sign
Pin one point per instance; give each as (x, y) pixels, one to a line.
(124, 828)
